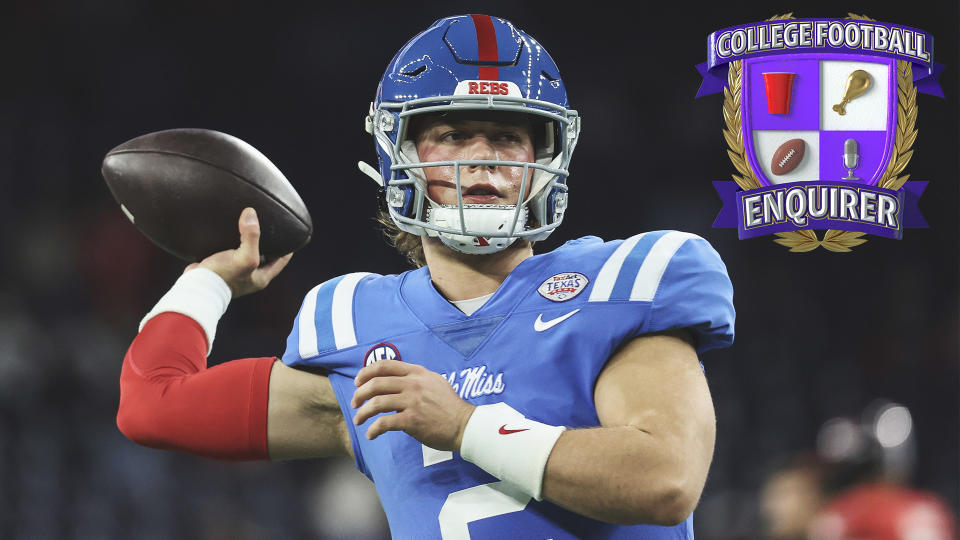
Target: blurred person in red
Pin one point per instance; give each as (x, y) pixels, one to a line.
(791, 497)
(868, 468)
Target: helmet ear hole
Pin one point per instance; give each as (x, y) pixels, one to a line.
(544, 142)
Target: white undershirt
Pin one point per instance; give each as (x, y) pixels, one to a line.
(470, 305)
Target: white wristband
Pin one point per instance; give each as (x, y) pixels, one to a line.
(509, 446)
(200, 294)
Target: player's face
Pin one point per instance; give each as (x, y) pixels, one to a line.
(447, 139)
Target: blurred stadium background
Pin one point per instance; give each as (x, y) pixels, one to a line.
(819, 335)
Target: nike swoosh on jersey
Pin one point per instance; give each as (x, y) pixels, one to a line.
(505, 431)
(540, 325)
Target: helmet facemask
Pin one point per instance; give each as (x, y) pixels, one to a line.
(477, 228)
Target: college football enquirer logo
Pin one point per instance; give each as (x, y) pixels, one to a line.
(820, 120)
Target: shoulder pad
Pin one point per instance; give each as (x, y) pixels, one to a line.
(634, 271)
(325, 321)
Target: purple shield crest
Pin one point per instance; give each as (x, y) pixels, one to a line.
(820, 117)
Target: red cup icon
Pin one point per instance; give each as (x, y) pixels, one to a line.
(779, 89)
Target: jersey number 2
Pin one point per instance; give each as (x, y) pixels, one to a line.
(471, 504)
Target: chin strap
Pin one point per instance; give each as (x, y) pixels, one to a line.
(368, 170)
(478, 217)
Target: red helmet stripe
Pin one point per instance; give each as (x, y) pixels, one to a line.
(486, 46)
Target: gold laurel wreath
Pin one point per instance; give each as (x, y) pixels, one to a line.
(833, 240)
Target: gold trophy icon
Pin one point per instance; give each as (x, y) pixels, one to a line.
(857, 83)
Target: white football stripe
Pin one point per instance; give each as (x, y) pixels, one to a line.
(308, 327)
(341, 313)
(651, 271)
(607, 277)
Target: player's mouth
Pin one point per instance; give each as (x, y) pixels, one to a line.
(481, 194)
(475, 194)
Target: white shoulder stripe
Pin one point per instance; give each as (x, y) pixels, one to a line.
(607, 277)
(308, 326)
(651, 271)
(341, 313)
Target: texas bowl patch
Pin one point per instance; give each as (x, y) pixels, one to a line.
(562, 287)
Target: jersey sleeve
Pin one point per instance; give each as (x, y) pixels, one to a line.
(694, 292)
(171, 401)
(325, 324)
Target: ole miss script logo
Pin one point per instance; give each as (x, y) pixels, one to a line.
(820, 117)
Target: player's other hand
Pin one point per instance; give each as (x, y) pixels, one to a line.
(426, 406)
(240, 267)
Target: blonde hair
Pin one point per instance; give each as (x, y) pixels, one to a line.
(409, 245)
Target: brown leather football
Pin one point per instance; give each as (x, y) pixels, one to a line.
(788, 156)
(185, 189)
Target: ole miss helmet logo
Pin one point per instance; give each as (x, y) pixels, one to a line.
(381, 351)
(496, 88)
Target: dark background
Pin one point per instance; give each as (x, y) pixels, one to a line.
(819, 334)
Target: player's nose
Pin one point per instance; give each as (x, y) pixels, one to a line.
(481, 148)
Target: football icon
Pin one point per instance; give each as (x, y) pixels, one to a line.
(788, 156)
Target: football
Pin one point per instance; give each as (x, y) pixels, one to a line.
(185, 189)
(788, 156)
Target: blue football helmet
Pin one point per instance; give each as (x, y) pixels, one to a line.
(473, 63)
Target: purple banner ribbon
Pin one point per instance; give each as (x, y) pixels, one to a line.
(793, 36)
(841, 206)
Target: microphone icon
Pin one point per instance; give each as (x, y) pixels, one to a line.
(851, 158)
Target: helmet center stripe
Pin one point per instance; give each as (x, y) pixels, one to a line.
(486, 46)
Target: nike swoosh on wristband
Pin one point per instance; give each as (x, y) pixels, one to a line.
(505, 431)
(539, 325)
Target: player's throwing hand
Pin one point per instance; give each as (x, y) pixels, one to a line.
(240, 267)
(427, 407)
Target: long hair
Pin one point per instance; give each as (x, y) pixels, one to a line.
(409, 245)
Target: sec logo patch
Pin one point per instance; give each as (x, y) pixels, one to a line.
(381, 351)
(563, 287)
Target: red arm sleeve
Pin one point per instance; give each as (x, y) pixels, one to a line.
(170, 400)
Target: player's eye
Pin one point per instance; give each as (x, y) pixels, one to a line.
(511, 137)
(453, 136)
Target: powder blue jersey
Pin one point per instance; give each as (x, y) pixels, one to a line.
(538, 344)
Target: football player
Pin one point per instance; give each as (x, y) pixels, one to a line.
(490, 393)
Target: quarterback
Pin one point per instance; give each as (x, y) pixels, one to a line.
(490, 393)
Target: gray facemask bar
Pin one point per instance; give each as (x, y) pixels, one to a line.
(466, 163)
(383, 121)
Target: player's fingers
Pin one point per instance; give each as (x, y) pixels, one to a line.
(377, 405)
(376, 386)
(382, 368)
(264, 275)
(389, 422)
(249, 251)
